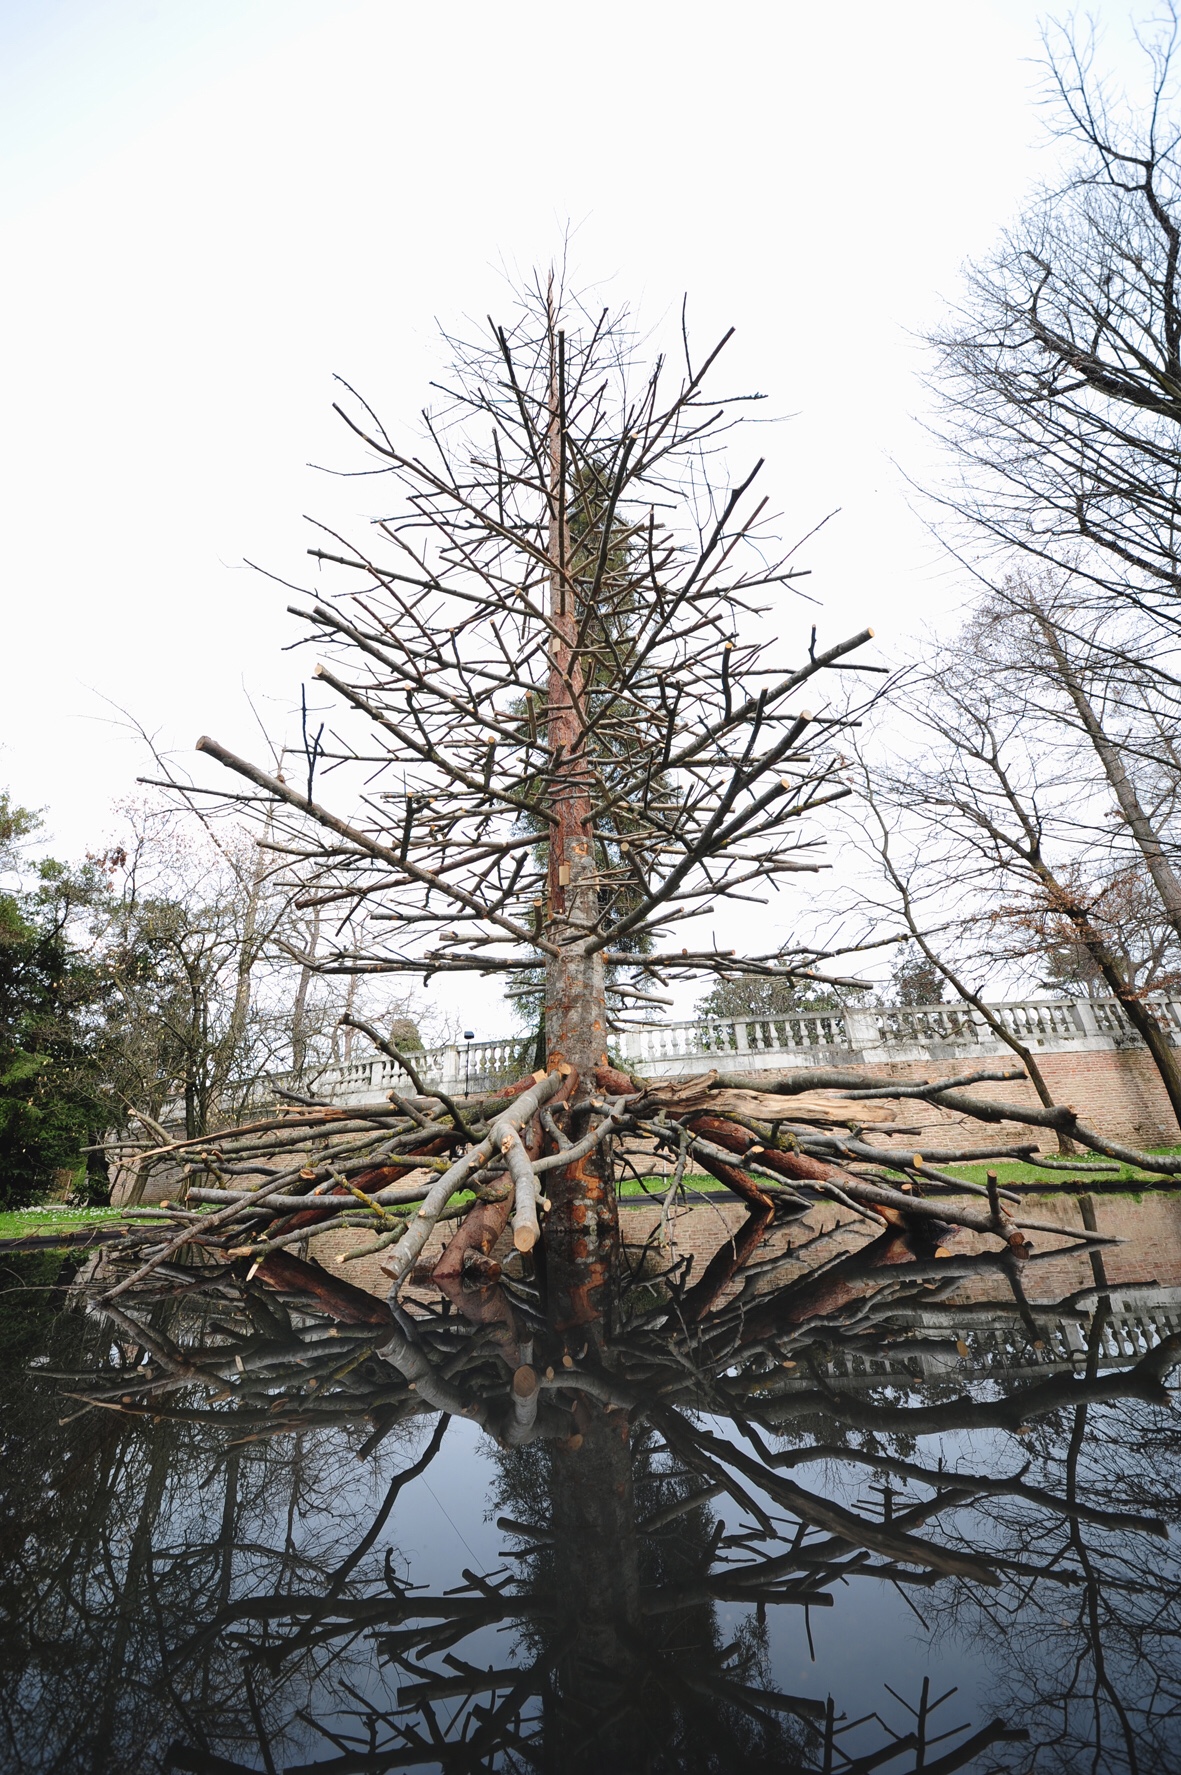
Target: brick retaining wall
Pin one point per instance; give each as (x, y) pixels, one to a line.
(1117, 1092)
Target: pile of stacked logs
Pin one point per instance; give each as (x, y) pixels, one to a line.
(396, 1169)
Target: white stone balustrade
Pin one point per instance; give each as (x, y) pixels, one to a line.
(858, 1035)
(871, 1035)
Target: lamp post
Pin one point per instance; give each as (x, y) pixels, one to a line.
(469, 1037)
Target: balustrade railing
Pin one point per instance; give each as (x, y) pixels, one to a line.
(856, 1033)
(455, 1067)
(884, 1032)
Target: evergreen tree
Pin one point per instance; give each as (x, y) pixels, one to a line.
(53, 1104)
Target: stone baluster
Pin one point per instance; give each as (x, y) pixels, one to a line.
(452, 1071)
(861, 1030)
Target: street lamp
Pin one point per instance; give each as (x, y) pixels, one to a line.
(468, 1036)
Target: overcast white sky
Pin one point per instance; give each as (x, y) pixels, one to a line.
(209, 208)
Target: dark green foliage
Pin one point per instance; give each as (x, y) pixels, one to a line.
(53, 1103)
(405, 1034)
(916, 981)
(765, 995)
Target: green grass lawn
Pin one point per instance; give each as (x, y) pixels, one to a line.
(1009, 1171)
(24, 1223)
(653, 1188)
(21, 1223)
(54, 1218)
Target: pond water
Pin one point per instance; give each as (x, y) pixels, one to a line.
(863, 1514)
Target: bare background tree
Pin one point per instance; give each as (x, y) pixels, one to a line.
(992, 832)
(1060, 374)
(1025, 825)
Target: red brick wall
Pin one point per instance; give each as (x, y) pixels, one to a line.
(1116, 1091)
(1119, 1092)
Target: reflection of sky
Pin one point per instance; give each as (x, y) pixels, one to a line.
(867, 1639)
(440, 1525)
(444, 1522)
(871, 1637)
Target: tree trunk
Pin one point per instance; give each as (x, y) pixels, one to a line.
(964, 991)
(575, 995)
(350, 1000)
(246, 955)
(1024, 1054)
(1135, 1010)
(1164, 877)
(299, 1041)
(584, 1220)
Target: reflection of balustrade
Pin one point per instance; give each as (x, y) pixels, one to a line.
(1000, 1342)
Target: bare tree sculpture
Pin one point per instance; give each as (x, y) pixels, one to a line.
(568, 737)
(566, 734)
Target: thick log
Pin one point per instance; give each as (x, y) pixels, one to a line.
(515, 1116)
(340, 1299)
(478, 1232)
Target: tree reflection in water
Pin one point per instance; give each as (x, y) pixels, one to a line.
(199, 1576)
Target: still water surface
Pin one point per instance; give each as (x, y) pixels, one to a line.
(901, 1524)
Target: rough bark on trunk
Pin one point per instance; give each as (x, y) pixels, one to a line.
(964, 991)
(246, 959)
(1135, 1010)
(299, 1039)
(584, 1220)
(1164, 877)
(1025, 1054)
(575, 997)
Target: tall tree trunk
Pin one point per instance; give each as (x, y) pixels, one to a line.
(299, 1041)
(584, 1220)
(246, 958)
(960, 986)
(350, 1000)
(1135, 1010)
(1024, 1053)
(575, 996)
(196, 1070)
(1164, 877)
